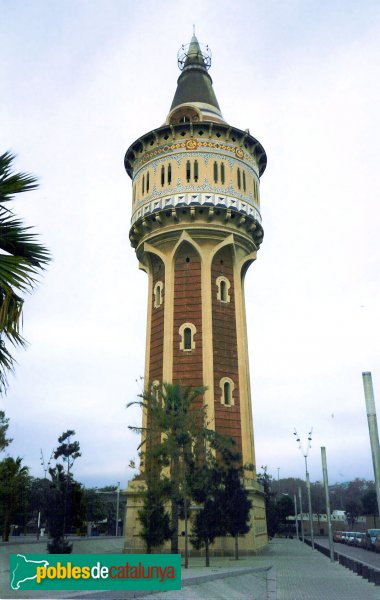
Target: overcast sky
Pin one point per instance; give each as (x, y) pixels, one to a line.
(80, 81)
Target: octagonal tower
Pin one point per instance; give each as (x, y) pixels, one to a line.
(196, 228)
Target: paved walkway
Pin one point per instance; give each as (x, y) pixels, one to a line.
(288, 570)
(299, 572)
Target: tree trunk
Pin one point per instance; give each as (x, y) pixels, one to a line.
(6, 527)
(236, 547)
(207, 555)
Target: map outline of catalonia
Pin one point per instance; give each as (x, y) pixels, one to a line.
(44, 563)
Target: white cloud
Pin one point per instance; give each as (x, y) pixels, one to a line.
(79, 86)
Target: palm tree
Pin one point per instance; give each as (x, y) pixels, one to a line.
(174, 426)
(22, 258)
(13, 480)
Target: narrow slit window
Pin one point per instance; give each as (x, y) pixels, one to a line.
(143, 185)
(227, 388)
(187, 338)
(223, 288)
(239, 178)
(196, 170)
(162, 175)
(188, 171)
(157, 294)
(244, 182)
(223, 291)
(227, 393)
(187, 332)
(147, 182)
(169, 174)
(222, 174)
(215, 172)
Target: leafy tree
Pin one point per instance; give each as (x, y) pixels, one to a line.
(65, 511)
(153, 517)
(369, 503)
(96, 508)
(285, 508)
(38, 499)
(208, 525)
(22, 258)
(318, 500)
(354, 490)
(13, 479)
(353, 510)
(236, 504)
(224, 506)
(270, 507)
(66, 507)
(206, 483)
(174, 427)
(4, 424)
(68, 450)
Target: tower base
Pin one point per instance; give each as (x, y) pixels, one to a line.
(250, 544)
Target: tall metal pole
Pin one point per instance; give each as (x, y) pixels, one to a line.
(295, 514)
(278, 482)
(328, 511)
(305, 454)
(309, 502)
(117, 508)
(301, 513)
(373, 431)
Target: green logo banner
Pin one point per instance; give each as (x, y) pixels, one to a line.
(95, 572)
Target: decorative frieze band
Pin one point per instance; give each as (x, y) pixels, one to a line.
(196, 200)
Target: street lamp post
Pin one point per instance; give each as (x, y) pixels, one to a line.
(296, 514)
(328, 511)
(305, 455)
(117, 508)
(301, 513)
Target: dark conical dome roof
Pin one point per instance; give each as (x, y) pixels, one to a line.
(194, 86)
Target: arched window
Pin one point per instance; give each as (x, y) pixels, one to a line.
(162, 175)
(227, 393)
(169, 174)
(188, 171)
(222, 175)
(215, 172)
(223, 285)
(223, 291)
(158, 295)
(239, 178)
(187, 338)
(196, 171)
(227, 387)
(187, 332)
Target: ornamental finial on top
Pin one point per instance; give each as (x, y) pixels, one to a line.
(194, 54)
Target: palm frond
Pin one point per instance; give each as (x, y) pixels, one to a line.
(22, 258)
(18, 240)
(13, 183)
